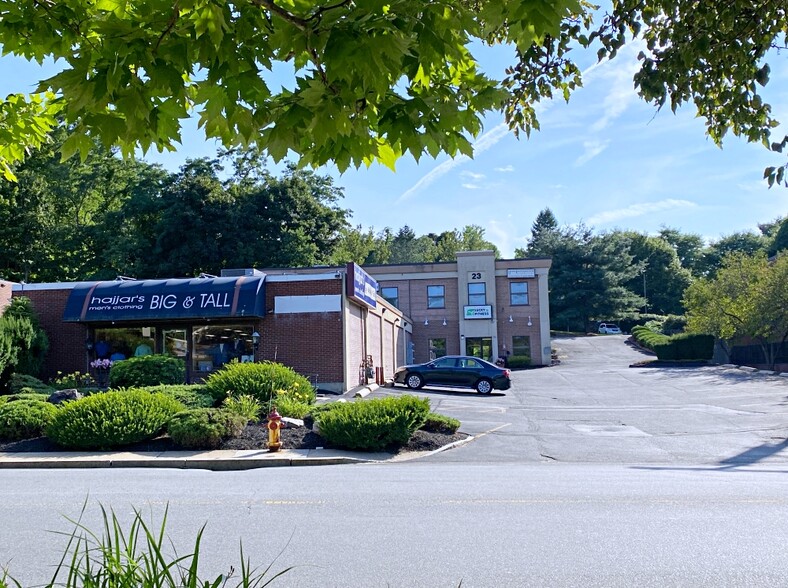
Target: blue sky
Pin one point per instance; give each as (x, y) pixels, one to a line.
(606, 158)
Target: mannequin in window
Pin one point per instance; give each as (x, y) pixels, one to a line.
(144, 348)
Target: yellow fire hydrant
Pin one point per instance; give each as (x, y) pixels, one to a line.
(274, 425)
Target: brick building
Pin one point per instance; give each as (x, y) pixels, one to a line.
(339, 326)
(315, 324)
(477, 305)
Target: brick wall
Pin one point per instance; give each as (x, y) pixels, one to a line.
(310, 342)
(519, 314)
(66, 340)
(5, 294)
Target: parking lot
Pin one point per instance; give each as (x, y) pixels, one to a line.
(594, 408)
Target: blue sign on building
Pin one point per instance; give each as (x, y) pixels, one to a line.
(196, 298)
(360, 286)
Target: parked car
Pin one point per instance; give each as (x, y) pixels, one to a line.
(609, 329)
(455, 370)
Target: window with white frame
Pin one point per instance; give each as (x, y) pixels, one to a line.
(518, 293)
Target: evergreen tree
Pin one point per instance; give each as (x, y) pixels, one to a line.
(544, 226)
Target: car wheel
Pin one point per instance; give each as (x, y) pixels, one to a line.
(414, 381)
(484, 386)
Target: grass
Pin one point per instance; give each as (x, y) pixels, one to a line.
(137, 557)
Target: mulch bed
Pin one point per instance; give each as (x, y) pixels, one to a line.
(254, 436)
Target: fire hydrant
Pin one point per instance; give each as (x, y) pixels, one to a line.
(275, 424)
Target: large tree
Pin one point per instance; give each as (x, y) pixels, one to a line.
(746, 300)
(588, 276)
(661, 280)
(368, 80)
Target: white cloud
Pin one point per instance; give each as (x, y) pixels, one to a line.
(507, 168)
(482, 144)
(471, 175)
(636, 210)
(471, 186)
(592, 149)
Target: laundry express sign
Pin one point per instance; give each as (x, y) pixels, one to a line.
(166, 299)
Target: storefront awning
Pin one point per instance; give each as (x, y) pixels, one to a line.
(198, 298)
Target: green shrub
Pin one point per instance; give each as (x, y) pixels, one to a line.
(190, 395)
(148, 370)
(76, 380)
(32, 350)
(28, 396)
(112, 419)
(676, 347)
(20, 381)
(518, 361)
(245, 405)
(438, 423)
(261, 380)
(205, 428)
(3, 400)
(686, 346)
(25, 419)
(373, 425)
(287, 406)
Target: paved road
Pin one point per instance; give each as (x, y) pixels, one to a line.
(586, 474)
(594, 408)
(433, 525)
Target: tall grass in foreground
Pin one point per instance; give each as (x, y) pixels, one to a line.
(137, 558)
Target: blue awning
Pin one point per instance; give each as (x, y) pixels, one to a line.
(197, 298)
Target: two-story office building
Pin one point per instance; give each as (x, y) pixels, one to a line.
(476, 305)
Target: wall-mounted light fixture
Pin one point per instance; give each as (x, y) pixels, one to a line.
(404, 324)
(444, 322)
(384, 310)
(511, 320)
(255, 341)
(529, 321)
(426, 322)
(89, 344)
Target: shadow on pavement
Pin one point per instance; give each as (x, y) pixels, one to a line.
(448, 392)
(749, 457)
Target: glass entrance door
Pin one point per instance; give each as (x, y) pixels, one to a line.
(479, 347)
(175, 343)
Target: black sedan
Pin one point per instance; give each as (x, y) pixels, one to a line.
(455, 370)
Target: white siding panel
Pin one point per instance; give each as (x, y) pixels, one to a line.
(302, 304)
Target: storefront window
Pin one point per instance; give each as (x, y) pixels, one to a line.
(117, 344)
(216, 345)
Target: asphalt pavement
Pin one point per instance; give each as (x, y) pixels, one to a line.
(589, 408)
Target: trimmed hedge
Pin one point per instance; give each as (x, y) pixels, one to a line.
(373, 425)
(205, 428)
(518, 361)
(438, 423)
(25, 419)
(20, 382)
(190, 395)
(148, 370)
(676, 347)
(261, 380)
(112, 419)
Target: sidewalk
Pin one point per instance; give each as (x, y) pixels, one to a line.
(219, 460)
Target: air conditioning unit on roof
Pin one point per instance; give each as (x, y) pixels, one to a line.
(239, 273)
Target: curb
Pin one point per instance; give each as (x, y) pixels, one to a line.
(362, 391)
(204, 460)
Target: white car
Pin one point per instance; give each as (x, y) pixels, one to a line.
(609, 329)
